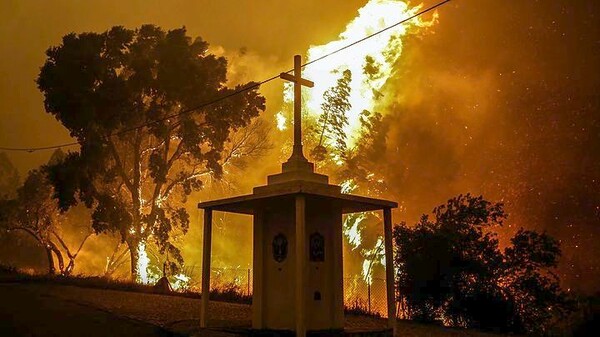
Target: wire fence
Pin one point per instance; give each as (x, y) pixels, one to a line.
(234, 279)
(238, 279)
(363, 297)
(359, 296)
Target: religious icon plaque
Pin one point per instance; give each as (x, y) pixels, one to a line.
(317, 247)
(280, 247)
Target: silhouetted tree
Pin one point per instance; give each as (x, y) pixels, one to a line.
(450, 268)
(362, 163)
(124, 95)
(359, 164)
(531, 281)
(333, 120)
(35, 212)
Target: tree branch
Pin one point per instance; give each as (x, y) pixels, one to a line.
(181, 180)
(63, 244)
(119, 163)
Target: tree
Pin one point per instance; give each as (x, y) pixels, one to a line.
(355, 165)
(126, 96)
(117, 259)
(35, 212)
(451, 267)
(362, 164)
(530, 278)
(336, 104)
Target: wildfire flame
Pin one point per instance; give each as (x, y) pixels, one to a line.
(372, 256)
(372, 64)
(143, 264)
(281, 121)
(181, 283)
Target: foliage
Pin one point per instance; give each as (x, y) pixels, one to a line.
(450, 268)
(362, 164)
(585, 320)
(336, 103)
(359, 164)
(125, 95)
(34, 211)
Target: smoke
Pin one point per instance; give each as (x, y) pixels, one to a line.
(492, 104)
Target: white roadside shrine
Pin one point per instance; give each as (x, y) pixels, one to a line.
(297, 242)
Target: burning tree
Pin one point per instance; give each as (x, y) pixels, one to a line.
(126, 96)
(335, 106)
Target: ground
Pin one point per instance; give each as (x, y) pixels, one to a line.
(37, 309)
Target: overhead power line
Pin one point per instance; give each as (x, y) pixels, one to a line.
(236, 92)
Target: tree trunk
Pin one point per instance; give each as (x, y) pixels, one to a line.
(51, 268)
(59, 257)
(116, 259)
(70, 267)
(134, 257)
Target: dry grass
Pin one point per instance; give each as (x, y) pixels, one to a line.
(225, 293)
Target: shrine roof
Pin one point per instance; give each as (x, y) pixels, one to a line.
(248, 204)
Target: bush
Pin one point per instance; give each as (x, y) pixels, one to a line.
(450, 268)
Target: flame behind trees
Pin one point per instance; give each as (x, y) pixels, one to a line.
(121, 94)
(371, 64)
(345, 133)
(336, 105)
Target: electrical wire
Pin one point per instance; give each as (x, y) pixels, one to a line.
(251, 86)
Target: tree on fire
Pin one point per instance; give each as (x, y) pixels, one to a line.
(356, 163)
(451, 267)
(336, 103)
(123, 95)
(35, 212)
(352, 160)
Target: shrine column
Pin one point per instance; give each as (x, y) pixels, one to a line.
(338, 273)
(389, 268)
(206, 250)
(257, 273)
(300, 266)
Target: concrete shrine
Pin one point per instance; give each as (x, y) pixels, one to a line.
(297, 240)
